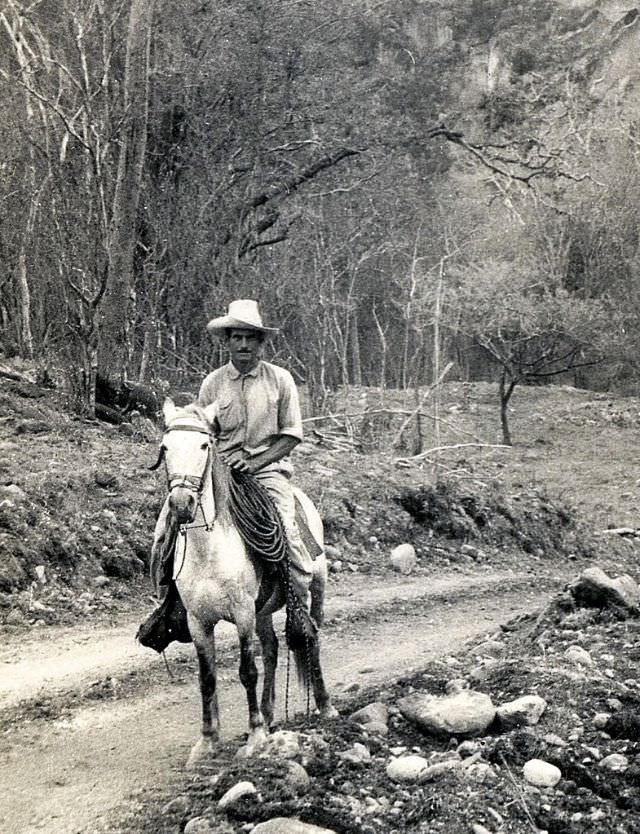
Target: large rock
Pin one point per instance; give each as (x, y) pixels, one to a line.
(594, 589)
(285, 825)
(465, 713)
(403, 558)
(376, 711)
(525, 710)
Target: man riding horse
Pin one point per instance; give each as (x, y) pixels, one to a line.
(258, 414)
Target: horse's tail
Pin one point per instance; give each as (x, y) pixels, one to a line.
(301, 633)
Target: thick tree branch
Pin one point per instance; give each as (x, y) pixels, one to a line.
(305, 175)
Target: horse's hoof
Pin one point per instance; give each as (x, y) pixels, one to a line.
(201, 752)
(329, 711)
(257, 739)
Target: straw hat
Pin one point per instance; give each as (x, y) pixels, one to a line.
(242, 314)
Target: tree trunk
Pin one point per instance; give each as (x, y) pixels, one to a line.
(506, 390)
(24, 301)
(14, 29)
(116, 312)
(355, 351)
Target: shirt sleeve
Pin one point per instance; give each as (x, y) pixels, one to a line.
(208, 391)
(289, 414)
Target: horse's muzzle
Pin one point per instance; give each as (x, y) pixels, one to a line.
(183, 504)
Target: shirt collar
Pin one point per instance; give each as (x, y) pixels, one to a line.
(234, 373)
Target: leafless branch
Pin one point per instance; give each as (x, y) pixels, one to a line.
(438, 449)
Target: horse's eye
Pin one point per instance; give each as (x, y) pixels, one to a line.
(204, 446)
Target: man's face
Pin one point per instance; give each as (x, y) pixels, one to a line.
(244, 347)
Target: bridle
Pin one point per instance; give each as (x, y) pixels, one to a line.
(193, 483)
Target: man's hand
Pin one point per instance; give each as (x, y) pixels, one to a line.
(239, 461)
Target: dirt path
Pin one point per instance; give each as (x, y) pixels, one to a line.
(73, 773)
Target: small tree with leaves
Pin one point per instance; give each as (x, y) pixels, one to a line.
(528, 324)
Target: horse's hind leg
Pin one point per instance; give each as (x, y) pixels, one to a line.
(206, 650)
(320, 694)
(269, 643)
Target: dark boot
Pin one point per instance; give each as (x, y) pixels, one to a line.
(167, 623)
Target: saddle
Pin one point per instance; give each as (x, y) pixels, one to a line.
(260, 526)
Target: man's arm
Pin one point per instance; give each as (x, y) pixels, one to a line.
(279, 449)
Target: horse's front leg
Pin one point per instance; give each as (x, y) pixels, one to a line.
(204, 641)
(249, 679)
(269, 643)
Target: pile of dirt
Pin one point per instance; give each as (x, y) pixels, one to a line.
(583, 667)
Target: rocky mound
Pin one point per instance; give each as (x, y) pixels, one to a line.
(534, 728)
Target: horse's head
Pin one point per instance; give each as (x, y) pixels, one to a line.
(187, 449)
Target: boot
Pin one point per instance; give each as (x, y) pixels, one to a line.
(167, 623)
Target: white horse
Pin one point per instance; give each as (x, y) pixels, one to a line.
(218, 579)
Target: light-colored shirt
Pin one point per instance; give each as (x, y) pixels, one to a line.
(254, 409)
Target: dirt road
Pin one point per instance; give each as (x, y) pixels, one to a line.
(115, 723)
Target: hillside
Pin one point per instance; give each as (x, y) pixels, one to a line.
(78, 504)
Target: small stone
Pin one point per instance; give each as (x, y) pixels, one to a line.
(14, 492)
(525, 710)
(480, 772)
(434, 771)
(615, 762)
(600, 720)
(376, 728)
(283, 744)
(578, 656)
(356, 754)
(541, 774)
(490, 648)
(407, 768)
(235, 793)
(179, 805)
(554, 740)
(199, 825)
(41, 574)
(286, 825)
(376, 711)
(296, 778)
(468, 748)
(15, 617)
(455, 686)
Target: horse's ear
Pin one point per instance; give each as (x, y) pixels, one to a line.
(211, 413)
(168, 410)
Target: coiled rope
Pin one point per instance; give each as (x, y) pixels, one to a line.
(257, 518)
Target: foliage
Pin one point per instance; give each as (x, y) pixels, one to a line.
(283, 151)
(531, 327)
